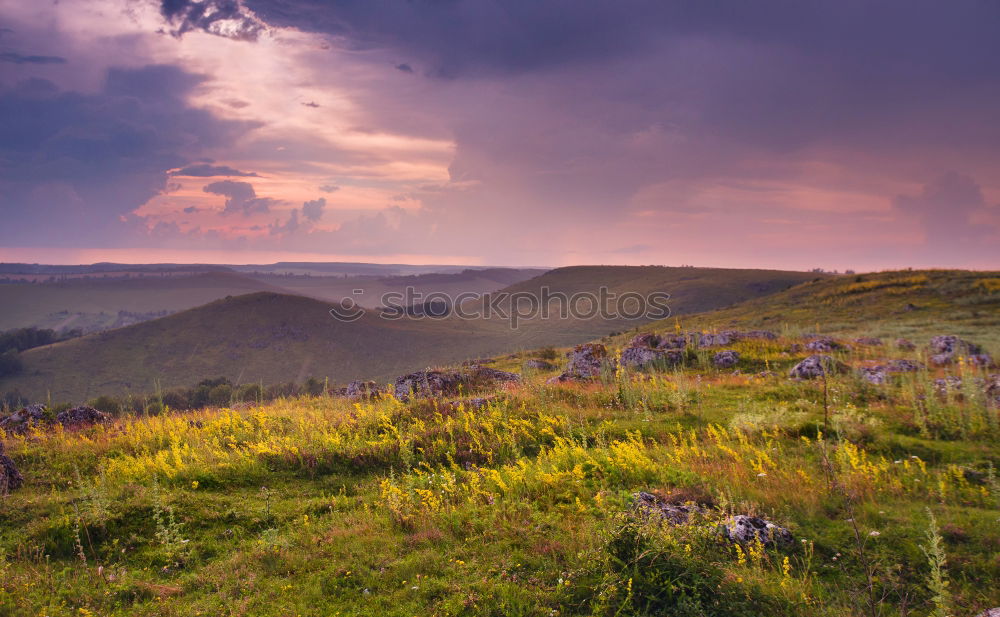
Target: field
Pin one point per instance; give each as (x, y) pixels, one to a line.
(271, 338)
(325, 506)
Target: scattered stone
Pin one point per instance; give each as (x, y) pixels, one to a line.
(902, 365)
(766, 374)
(485, 376)
(946, 348)
(726, 359)
(873, 374)
(10, 478)
(823, 343)
(905, 344)
(359, 389)
(992, 612)
(649, 505)
(585, 362)
(760, 334)
(980, 359)
(648, 340)
(643, 357)
(879, 374)
(673, 341)
(81, 417)
(25, 418)
(816, 366)
(868, 341)
(539, 365)
(423, 384)
(950, 382)
(711, 339)
(745, 529)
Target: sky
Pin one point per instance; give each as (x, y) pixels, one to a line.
(780, 134)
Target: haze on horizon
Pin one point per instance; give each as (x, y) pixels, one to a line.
(515, 132)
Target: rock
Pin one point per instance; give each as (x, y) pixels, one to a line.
(648, 339)
(873, 374)
(711, 339)
(423, 384)
(726, 359)
(359, 389)
(673, 341)
(823, 343)
(946, 348)
(745, 529)
(904, 344)
(10, 478)
(879, 374)
(25, 418)
(980, 359)
(585, 362)
(642, 357)
(816, 366)
(649, 505)
(760, 334)
(485, 376)
(766, 374)
(992, 612)
(868, 341)
(82, 416)
(539, 365)
(993, 389)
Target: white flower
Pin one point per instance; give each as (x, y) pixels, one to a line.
(874, 533)
(761, 474)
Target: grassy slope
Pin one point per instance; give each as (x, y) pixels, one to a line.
(319, 506)
(274, 338)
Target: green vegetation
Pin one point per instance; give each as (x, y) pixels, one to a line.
(272, 338)
(323, 506)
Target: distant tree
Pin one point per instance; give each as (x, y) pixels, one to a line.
(314, 387)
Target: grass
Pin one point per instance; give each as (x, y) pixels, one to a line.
(321, 506)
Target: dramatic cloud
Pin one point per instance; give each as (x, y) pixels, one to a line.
(207, 170)
(240, 197)
(75, 163)
(313, 210)
(227, 18)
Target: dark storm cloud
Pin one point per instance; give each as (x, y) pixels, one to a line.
(240, 197)
(73, 164)
(16, 58)
(220, 17)
(406, 68)
(207, 170)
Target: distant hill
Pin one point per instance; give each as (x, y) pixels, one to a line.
(272, 337)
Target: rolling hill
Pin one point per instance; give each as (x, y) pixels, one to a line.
(270, 337)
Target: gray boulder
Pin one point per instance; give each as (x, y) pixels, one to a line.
(745, 529)
(585, 362)
(672, 341)
(879, 374)
(726, 359)
(82, 417)
(644, 357)
(425, 384)
(946, 348)
(823, 343)
(648, 506)
(10, 478)
(359, 389)
(23, 419)
(816, 366)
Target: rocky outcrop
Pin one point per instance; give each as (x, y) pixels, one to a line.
(746, 529)
(25, 418)
(425, 384)
(10, 478)
(360, 390)
(947, 348)
(430, 384)
(650, 506)
(823, 343)
(585, 363)
(879, 374)
(905, 345)
(760, 334)
(816, 366)
(82, 417)
(726, 359)
(643, 357)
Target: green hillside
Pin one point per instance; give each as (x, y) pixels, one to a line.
(272, 338)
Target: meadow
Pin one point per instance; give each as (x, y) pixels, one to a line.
(525, 506)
